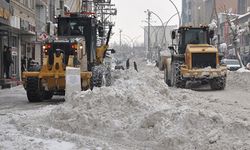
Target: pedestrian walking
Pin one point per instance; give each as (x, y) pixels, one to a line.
(7, 60)
(127, 64)
(135, 66)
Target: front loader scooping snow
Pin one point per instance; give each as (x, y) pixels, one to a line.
(194, 60)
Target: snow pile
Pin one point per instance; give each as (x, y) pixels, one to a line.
(239, 79)
(139, 111)
(243, 70)
(112, 112)
(150, 63)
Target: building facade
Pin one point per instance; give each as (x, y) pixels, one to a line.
(201, 12)
(243, 6)
(42, 7)
(192, 11)
(17, 29)
(4, 30)
(23, 32)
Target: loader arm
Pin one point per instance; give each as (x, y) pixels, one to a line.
(101, 51)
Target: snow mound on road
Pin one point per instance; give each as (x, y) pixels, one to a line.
(107, 111)
(140, 111)
(243, 70)
(238, 80)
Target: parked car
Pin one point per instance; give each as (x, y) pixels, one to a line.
(232, 64)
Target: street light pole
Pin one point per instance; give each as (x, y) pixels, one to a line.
(164, 33)
(149, 48)
(132, 39)
(177, 12)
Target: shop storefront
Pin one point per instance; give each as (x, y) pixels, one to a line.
(4, 32)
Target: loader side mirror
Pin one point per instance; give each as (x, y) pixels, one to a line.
(173, 35)
(112, 51)
(171, 48)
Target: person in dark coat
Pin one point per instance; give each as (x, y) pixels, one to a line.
(127, 64)
(7, 60)
(29, 63)
(135, 66)
(23, 64)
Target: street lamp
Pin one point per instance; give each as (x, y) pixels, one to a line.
(164, 33)
(149, 48)
(177, 12)
(132, 39)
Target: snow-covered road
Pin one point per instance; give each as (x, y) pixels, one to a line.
(139, 111)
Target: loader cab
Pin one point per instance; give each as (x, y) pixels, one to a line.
(80, 27)
(190, 35)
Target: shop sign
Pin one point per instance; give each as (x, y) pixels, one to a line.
(4, 13)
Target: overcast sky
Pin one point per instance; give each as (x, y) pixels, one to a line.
(131, 15)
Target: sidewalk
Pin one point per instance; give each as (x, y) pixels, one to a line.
(9, 83)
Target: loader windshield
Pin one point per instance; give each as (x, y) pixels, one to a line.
(196, 36)
(72, 27)
(192, 36)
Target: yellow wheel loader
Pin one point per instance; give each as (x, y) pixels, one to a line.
(76, 46)
(194, 61)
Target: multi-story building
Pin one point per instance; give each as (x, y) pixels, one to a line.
(4, 30)
(201, 12)
(41, 27)
(192, 11)
(21, 33)
(243, 6)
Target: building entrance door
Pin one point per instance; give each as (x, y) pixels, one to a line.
(3, 42)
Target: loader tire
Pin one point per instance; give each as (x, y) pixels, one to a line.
(179, 82)
(97, 76)
(218, 83)
(108, 77)
(47, 95)
(33, 90)
(91, 85)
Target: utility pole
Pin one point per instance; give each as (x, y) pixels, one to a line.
(149, 43)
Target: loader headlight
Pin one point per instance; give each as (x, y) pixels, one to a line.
(81, 47)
